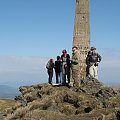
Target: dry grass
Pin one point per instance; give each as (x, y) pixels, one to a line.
(58, 103)
(6, 103)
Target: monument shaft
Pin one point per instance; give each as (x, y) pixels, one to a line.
(81, 37)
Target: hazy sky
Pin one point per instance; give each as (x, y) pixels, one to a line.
(43, 28)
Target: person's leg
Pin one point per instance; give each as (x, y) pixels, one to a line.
(57, 77)
(87, 70)
(96, 72)
(64, 76)
(91, 70)
(75, 78)
(59, 80)
(51, 75)
(68, 75)
(60, 77)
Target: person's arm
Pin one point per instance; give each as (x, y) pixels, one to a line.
(99, 58)
(68, 56)
(48, 65)
(87, 60)
(53, 65)
(76, 60)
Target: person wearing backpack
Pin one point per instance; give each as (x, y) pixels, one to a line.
(94, 59)
(50, 66)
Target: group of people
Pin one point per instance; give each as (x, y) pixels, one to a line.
(64, 64)
(62, 68)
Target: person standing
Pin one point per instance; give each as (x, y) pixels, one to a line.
(93, 60)
(88, 63)
(65, 66)
(58, 69)
(50, 66)
(75, 66)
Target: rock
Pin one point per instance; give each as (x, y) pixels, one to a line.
(118, 115)
(89, 86)
(26, 89)
(105, 93)
(1, 116)
(88, 109)
(91, 101)
(72, 100)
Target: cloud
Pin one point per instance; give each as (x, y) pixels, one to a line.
(21, 64)
(110, 66)
(22, 70)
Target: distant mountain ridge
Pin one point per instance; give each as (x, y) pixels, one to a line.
(8, 91)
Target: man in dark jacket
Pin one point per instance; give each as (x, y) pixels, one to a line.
(93, 60)
(58, 69)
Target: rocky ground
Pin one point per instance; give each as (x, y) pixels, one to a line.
(91, 101)
(4, 105)
(1, 116)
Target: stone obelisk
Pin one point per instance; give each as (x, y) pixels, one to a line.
(81, 37)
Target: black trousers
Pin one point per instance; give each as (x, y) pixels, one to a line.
(87, 70)
(50, 74)
(66, 74)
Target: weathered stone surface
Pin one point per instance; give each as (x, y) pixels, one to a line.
(90, 86)
(81, 37)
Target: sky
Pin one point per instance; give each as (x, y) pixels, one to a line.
(31, 31)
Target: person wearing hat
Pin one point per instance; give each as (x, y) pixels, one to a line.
(75, 66)
(93, 60)
(65, 58)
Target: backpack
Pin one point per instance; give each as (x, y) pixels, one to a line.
(48, 65)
